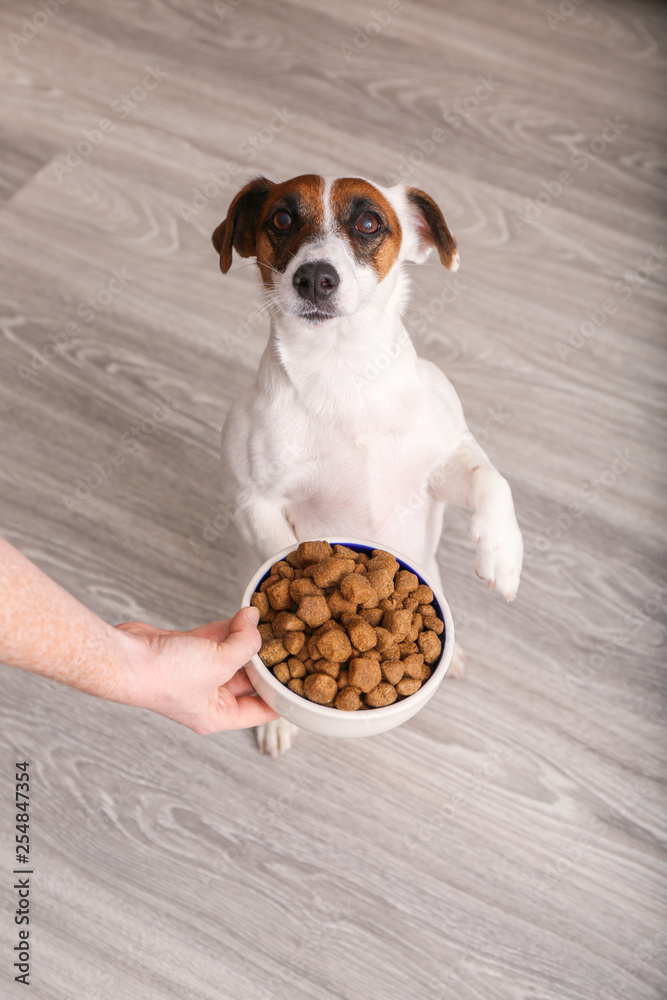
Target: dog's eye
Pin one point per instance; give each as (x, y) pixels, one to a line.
(282, 220)
(368, 224)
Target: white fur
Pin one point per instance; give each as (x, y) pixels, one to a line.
(346, 431)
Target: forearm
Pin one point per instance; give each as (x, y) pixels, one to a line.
(45, 630)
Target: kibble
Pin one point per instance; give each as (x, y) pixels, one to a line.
(412, 665)
(398, 623)
(381, 695)
(320, 688)
(357, 589)
(330, 667)
(297, 668)
(294, 642)
(279, 595)
(312, 552)
(335, 645)
(362, 635)
(330, 571)
(430, 645)
(345, 629)
(408, 686)
(382, 581)
(348, 700)
(423, 594)
(433, 624)
(339, 606)
(272, 652)
(281, 671)
(392, 671)
(285, 621)
(304, 587)
(314, 610)
(405, 582)
(364, 673)
(261, 602)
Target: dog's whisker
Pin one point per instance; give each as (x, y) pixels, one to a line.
(240, 267)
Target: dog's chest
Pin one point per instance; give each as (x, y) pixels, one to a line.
(364, 482)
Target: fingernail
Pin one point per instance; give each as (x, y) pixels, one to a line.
(253, 615)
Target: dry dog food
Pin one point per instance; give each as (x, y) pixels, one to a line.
(347, 629)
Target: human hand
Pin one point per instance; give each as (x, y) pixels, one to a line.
(197, 677)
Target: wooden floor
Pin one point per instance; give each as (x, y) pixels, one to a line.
(509, 842)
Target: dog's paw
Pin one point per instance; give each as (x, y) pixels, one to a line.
(276, 737)
(499, 553)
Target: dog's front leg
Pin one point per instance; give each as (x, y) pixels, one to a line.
(264, 526)
(470, 480)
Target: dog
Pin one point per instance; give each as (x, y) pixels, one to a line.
(346, 431)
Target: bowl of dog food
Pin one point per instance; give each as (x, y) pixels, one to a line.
(356, 639)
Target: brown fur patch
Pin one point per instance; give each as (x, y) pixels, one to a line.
(433, 230)
(239, 229)
(248, 228)
(352, 197)
(302, 198)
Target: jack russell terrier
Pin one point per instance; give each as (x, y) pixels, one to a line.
(317, 449)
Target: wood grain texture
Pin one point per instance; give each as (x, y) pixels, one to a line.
(509, 842)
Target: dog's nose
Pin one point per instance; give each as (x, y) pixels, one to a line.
(315, 281)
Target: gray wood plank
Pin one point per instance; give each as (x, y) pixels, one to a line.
(509, 842)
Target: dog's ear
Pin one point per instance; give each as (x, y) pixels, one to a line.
(430, 230)
(239, 230)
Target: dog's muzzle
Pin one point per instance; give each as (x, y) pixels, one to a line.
(316, 282)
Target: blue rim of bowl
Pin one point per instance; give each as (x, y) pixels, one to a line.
(403, 564)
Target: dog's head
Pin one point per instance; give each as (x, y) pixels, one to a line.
(324, 246)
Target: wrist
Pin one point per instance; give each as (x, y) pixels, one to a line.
(132, 659)
(119, 665)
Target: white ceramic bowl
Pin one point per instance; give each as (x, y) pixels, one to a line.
(331, 721)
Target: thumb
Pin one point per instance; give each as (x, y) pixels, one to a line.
(243, 640)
